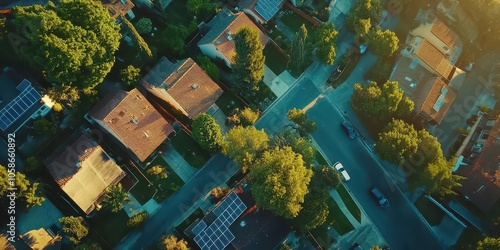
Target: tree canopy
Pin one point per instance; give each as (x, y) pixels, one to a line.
(64, 93)
(299, 53)
(244, 144)
(381, 102)
(209, 67)
(489, 243)
(172, 39)
(362, 29)
(248, 62)
(143, 46)
(130, 75)
(383, 43)
(72, 43)
(207, 133)
(158, 171)
(299, 145)
(302, 124)
(325, 43)
(171, 242)
(279, 182)
(397, 142)
(326, 177)
(144, 25)
(199, 6)
(114, 198)
(314, 212)
(363, 9)
(27, 193)
(74, 228)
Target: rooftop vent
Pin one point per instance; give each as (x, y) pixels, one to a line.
(194, 86)
(78, 164)
(243, 223)
(124, 2)
(135, 121)
(413, 85)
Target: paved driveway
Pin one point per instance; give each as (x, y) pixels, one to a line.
(215, 173)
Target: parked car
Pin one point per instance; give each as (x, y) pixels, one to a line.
(338, 166)
(349, 129)
(362, 48)
(379, 197)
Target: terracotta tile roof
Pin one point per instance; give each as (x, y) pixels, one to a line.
(438, 100)
(223, 27)
(84, 171)
(431, 56)
(443, 32)
(117, 8)
(133, 121)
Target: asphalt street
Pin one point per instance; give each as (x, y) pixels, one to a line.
(212, 175)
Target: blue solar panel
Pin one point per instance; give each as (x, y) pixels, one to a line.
(199, 227)
(268, 8)
(14, 109)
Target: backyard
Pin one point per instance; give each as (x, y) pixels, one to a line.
(432, 213)
(275, 60)
(109, 227)
(349, 202)
(142, 190)
(295, 21)
(189, 149)
(166, 186)
(228, 101)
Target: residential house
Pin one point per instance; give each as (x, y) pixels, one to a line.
(237, 223)
(119, 8)
(84, 170)
(261, 10)
(217, 42)
(339, 11)
(20, 102)
(132, 121)
(39, 227)
(431, 95)
(184, 85)
(459, 18)
(480, 163)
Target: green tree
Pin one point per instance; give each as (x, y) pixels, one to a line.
(397, 142)
(280, 181)
(248, 117)
(302, 125)
(363, 9)
(143, 46)
(326, 177)
(88, 245)
(27, 193)
(172, 39)
(200, 6)
(74, 228)
(383, 43)
(44, 127)
(362, 29)
(299, 53)
(171, 242)
(489, 243)
(244, 145)
(299, 145)
(158, 172)
(325, 43)
(144, 25)
(130, 75)
(207, 133)
(3, 29)
(32, 164)
(209, 67)
(67, 43)
(57, 107)
(248, 62)
(64, 93)
(381, 71)
(314, 212)
(114, 198)
(137, 219)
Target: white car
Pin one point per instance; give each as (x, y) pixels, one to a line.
(342, 171)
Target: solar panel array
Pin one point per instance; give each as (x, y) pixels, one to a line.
(25, 100)
(217, 235)
(268, 8)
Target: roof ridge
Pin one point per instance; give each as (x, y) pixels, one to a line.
(183, 74)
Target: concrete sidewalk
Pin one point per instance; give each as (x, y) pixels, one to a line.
(177, 163)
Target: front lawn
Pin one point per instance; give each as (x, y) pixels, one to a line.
(167, 186)
(261, 98)
(349, 202)
(142, 190)
(228, 101)
(340, 222)
(110, 227)
(189, 149)
(321, 160)
(275, 60)
(432, 213)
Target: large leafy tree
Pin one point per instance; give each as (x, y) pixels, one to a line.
(363, 9)
(64, 93)
(27, 193)
(171, 242)
(207, 133)
(362, 29)
(172, 38)
(302, 124)
(244, 145)
(299, 52)
(489, 243)
(397, 142)
(114, 198)
(143, 46)
(200, 6)
(325, 43)
(248, 62)
(325, 176)
(279, 182)
(315, 210)
(209, 67)
(144, 25)
(72, 43)
(300, 145)
(74, 228)
(130, 75)
(383, 43)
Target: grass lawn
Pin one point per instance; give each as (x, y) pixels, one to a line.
(168, 186)
(275, 60)
(141, 190)
(294, 22)
(349, 202)
(432, 213)
(229, 101)
(321, 160)
(110, 227)
(347, 71)
(197, 214)
(340, 221)
(190, 149)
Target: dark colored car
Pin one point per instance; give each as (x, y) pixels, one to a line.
(379, 196)
(349, 129)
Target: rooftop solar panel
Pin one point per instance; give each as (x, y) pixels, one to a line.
(268, 8)
(14, 109)
(199, 227)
